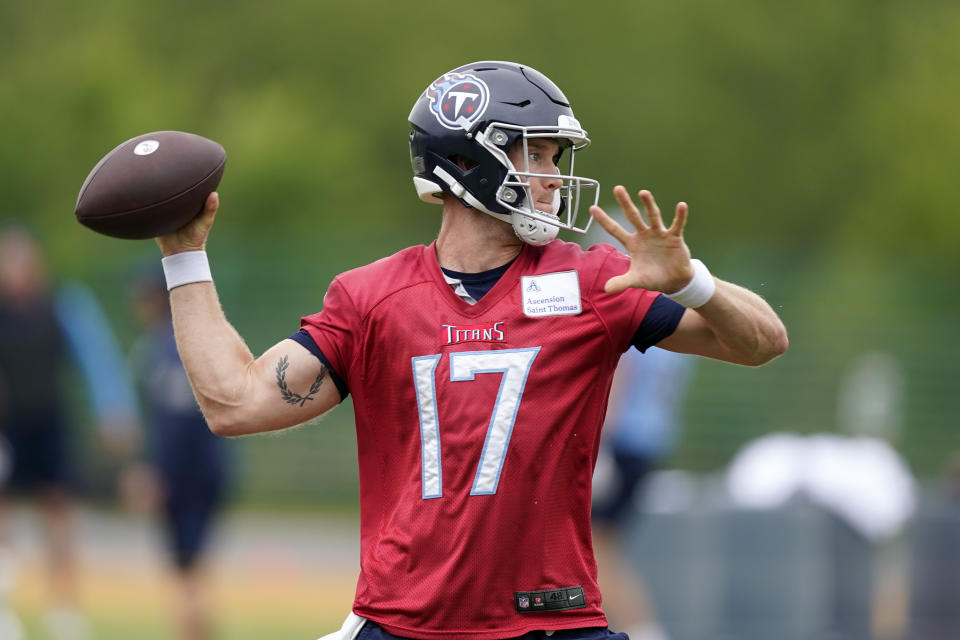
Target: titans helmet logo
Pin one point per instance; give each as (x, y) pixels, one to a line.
(458, 100)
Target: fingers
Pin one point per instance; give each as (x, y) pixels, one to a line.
(213, 202)
(629, 209)
(680, 219)
(210, 208)
(632, 213)
(193, 235)
(616, 284)
(609, 224)
(652, 210)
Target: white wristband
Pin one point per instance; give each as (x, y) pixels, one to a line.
(184, 268)
(699, 290)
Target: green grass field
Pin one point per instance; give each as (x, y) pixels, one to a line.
(137, 604)
(284, 578)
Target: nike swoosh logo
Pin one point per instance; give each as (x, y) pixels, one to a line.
(576, 596)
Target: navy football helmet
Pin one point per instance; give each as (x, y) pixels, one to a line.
(477, 112)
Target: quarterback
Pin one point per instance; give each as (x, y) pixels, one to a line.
(479, 364)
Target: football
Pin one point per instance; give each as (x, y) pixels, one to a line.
(150, 185)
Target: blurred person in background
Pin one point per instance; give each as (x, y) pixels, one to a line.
(182, 474)
(479, 365)
(639, 434)
(42, 330)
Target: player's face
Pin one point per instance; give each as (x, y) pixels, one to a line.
(541, 157)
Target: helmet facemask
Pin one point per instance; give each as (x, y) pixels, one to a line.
(515, 194)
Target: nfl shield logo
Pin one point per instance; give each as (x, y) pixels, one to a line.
(523, 602)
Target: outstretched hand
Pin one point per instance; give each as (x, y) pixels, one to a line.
(193, 235)
(659, 257)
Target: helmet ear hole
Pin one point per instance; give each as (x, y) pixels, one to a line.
(463, 162)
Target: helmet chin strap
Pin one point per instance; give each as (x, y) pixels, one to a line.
(531, 231)
(537, 232)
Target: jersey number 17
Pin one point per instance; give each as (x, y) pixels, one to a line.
(514, 365)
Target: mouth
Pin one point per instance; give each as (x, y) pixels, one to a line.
(545, 207)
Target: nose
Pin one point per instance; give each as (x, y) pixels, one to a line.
(546, 190)
(554, 182)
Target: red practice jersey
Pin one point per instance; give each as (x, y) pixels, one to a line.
(477, 431)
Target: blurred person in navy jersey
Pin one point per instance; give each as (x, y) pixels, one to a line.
(183, 474)
(640, 433)
(44, 329)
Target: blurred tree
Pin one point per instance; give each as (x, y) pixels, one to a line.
(815, 143)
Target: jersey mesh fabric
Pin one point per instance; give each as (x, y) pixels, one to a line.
(477, 431)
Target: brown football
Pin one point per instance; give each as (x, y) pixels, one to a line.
(150, 185)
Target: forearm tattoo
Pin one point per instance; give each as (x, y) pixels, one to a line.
(291, 397)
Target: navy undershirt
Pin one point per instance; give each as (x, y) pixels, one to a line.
(478, 284)
(661, 320)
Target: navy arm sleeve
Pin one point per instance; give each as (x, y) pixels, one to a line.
(661, 320)
(303, 338)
